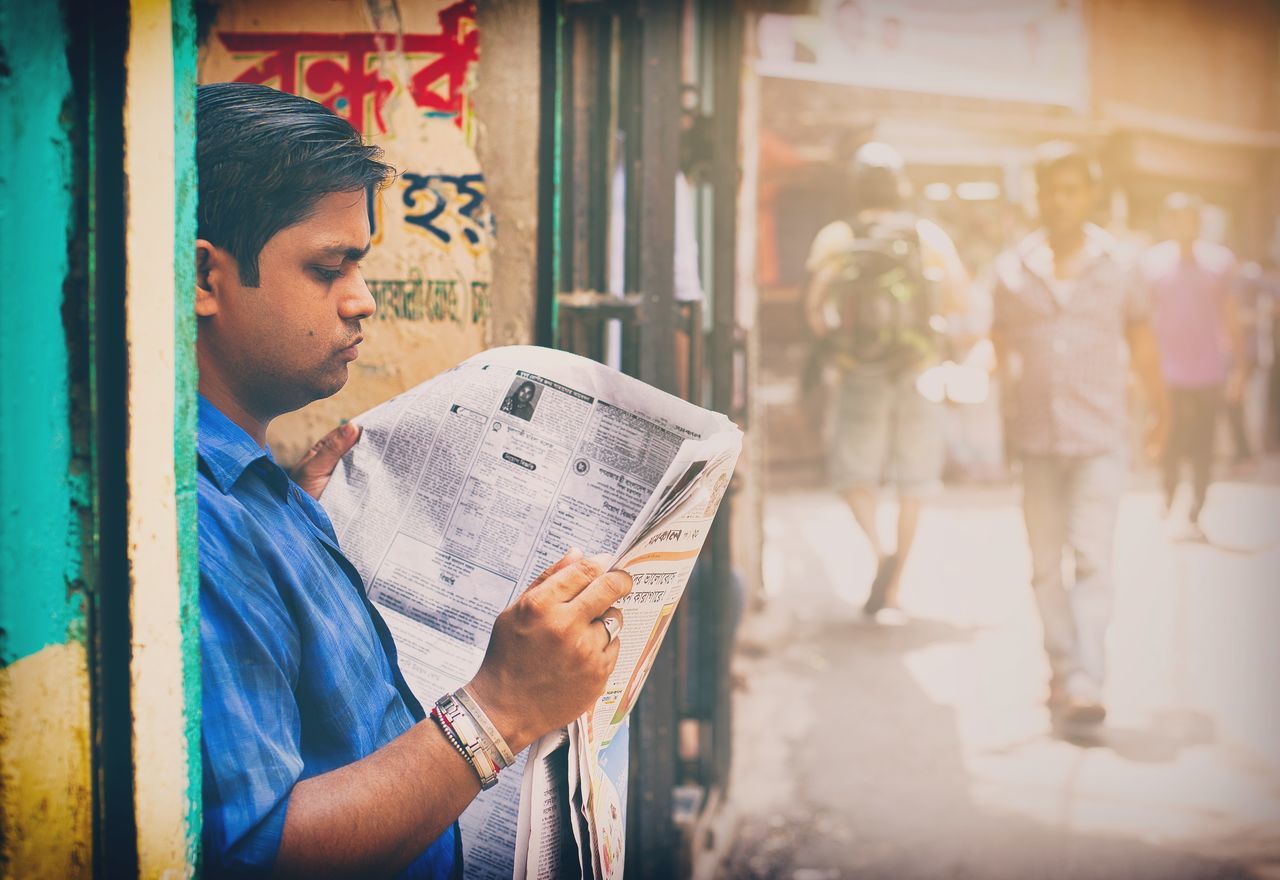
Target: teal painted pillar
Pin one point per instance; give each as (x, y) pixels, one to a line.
(39, 542)
(45, 478)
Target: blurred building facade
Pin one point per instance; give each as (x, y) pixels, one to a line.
(1168, 95)
(1187, 94)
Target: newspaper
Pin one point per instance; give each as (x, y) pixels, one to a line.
(464, 489)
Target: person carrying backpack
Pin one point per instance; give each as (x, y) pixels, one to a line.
(881, 284)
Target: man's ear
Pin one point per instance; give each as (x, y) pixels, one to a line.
(214, 268)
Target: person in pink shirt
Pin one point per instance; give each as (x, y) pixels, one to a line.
(1190, 283)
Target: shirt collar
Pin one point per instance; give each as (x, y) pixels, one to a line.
(225, 448)
(1037, 256)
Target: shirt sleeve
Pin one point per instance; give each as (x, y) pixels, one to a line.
(1137, 294)
(251, 725)
(1228, 270)
(937, 250)
(991, 289)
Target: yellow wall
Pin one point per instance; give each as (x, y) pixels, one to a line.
(44, 749)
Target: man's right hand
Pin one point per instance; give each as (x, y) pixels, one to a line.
(549, 657)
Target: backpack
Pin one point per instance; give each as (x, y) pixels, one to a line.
(884, 305)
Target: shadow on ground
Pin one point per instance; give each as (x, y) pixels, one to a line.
(880, 788)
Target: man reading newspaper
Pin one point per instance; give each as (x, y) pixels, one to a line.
(461, 492)
(318, 759)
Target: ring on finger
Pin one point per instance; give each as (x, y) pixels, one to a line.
(612, 621)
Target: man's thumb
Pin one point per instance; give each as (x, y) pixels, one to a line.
(334, 445)
(341, 439)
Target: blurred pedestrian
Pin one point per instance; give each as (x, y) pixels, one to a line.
(1065, 301)
(1252, 293)
(1270, 304)
(880, 285)
(1190, 283)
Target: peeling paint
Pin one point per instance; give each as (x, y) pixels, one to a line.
(37, 608)
(45, 777)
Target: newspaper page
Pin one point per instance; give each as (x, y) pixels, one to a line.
(659, 552)
(544, 849)
(463, 489)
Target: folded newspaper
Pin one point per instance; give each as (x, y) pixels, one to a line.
(464, 489)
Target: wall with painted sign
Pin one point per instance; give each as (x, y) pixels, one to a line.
(404, 75)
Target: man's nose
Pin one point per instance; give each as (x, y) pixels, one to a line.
(358, 303)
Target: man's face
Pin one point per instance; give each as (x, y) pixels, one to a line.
(1066, 199)
(525, 393)
(287, 342)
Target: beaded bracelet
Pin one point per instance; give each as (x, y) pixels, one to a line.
(449, 733)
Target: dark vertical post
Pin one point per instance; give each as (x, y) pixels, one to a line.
(651, 844)
(101, 40)
(727, 47)
(586, 140)
(659, 142)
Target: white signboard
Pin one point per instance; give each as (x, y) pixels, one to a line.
(1009, 50)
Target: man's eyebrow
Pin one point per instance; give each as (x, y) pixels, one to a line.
(345, 251)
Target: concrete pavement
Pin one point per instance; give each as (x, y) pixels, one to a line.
(926, 750)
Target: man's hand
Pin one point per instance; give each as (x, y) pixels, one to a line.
(312, 473)
(1236, 382)
(1157, 435)
(1144, 357)
(549, 657)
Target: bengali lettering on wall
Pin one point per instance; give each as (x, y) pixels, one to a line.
(403, 82)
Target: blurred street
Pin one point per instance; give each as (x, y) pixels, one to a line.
(925, 750)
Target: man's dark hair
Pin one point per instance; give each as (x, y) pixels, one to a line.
(264, 159)
(1056, 155)
(876, 177)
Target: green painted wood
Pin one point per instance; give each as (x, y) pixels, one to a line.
(184, 427)
(550, 182)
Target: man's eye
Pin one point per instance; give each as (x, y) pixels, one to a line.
(327, 274)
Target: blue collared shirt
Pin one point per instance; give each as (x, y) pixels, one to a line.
(299, 672)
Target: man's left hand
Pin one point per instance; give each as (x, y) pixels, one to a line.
(312, 473)
(1157, 435)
